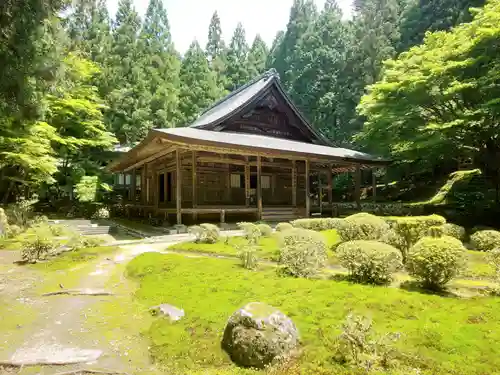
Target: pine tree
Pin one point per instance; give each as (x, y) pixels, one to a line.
(129, 98)
(302, 16)
(237, 72)
(433, 15)
(274, 51)
(257, 57)
(199, 87)
(216, 50)
(162, 64)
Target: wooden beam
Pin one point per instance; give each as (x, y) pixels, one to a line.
(178, 185)
(133, 188)
(194, 183)
(330, 186)
(374, 186)
(357, 187)
(247, 184)
(308, 202)
(294, 184)
(259, 188)
(157, 155)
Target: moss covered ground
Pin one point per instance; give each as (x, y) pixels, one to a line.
(441, 335)
(268, 248)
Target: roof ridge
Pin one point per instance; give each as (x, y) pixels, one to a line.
(271, 73)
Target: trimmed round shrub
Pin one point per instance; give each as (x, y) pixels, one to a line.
(362, 226)
(435, 231)
(369, 262)
(210, 233)
(281, 227)
(318, 224)
(252, 232)
(265, 230)
(302, 252)
(435, 261)
(485, 240)
(454, 230)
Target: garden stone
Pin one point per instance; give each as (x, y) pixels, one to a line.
(258, 335)
(172, 312)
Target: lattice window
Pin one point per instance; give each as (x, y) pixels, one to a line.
(235, 180)
(265, 182)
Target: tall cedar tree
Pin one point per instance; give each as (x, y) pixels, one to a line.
(199, 87)
(319, 83)
(237, 72)
(161, 64)
(216, 50)
(302, 16)
(128, 115)
(274, 51)
(257, 57)
(433, 15)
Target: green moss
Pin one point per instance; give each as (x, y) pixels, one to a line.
(440, 335)
(268, 248)
(70, 259)
(454, 179)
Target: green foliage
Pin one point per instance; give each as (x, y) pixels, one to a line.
(211, 233)
(302, 253)
(435, 261)
(265, 230)
(281, 227)
(363, 226)
(237, 68)
(435, 231)
(38, 244)
(444, 195)
(406, 231)
(454, 230)
(248, 257)
(357, 347)
(21, 212)
(369, 262)
(251, 232)
(494, 260)
(101, 213)
(318, 224)
(439, 99)
(485, 240)
(257, 57)
(79, 241)
(4, 224)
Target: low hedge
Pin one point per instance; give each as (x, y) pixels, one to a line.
(318, 224)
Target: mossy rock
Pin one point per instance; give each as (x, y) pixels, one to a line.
(258, 335)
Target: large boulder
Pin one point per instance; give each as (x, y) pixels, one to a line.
(258, 334)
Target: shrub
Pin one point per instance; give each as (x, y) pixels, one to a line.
(281, 227)
(210, 233)
(369, 262)
(4, 224)
(318, 224)
(265, 230)
(408, 230)
(494, 260)
(302, 253)
(357, 347)
(454, 230)
(248, 257)
(435, 261)
(251, 231)
(20, 213)
(435, 231)
(84, 242)
(485, 240)
(101, 213)
(14, 230)
(37, 245)
(362, 226)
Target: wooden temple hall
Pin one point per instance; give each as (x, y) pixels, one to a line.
(251, 156)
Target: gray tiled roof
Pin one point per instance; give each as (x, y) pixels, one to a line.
(265, 143)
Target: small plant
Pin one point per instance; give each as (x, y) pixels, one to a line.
(101, 213)
(435, 261)
(302, 253)
(248, 257)
(362, 226)
(210, 234)
(20, 213)
(369, 262)
(251, 231)
(435, 231)
(494, 260)
(357, 347)
(37, 245)
(454, 230)
(485, 240)
(281, 227)
(197, 232)
(265, 230)
(79, 241)
(4, 224)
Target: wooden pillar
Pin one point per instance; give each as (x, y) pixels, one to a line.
(247, 183)
(228, 183)
(132, 186)
(357, 187)
(330, 185)
(156, 188)
(308, 203)
(194, 183)
(259, 188)
(374, 186)
(294, 184)
(178, 185)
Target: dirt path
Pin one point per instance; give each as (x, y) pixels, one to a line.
(71, 328)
